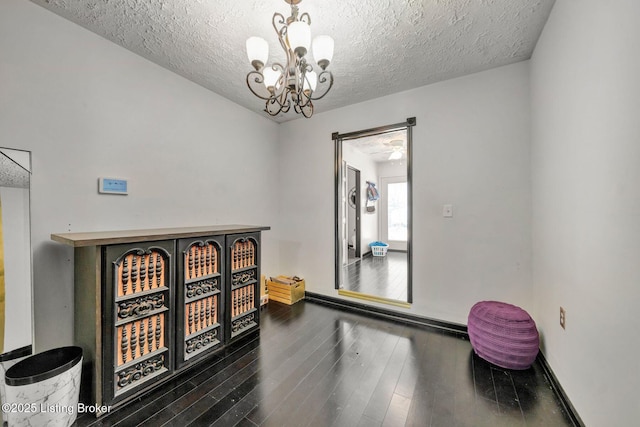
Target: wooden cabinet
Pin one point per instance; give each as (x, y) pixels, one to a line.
(149, 303)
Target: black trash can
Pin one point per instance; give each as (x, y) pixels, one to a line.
(43, 389)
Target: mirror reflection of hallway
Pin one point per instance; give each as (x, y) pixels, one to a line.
(373, 205)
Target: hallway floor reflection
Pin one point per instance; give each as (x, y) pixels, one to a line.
(380, 276)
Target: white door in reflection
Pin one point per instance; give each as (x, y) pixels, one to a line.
(393, 218)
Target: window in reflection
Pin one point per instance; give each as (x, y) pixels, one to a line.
(397, 211)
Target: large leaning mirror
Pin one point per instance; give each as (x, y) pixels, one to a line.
(373, 213)
(16, 334)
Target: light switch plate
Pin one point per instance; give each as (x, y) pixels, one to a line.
(447, 211)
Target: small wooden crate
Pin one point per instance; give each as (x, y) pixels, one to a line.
(285, 293)
(264, 295)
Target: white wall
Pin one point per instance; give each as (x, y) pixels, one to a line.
(586, 203)
(87, 108)
(471, 149)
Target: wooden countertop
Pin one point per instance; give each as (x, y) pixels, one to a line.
(98, 238)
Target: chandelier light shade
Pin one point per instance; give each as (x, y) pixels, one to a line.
(323, 50)
(299, 37)
(257, 51)
(294, 83)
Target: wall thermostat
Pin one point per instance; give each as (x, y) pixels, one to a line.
(112, 186)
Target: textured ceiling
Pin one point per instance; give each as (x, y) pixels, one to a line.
(381, 46)
(379, 147)
(13, 171)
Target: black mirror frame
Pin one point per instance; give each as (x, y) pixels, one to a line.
(337, 139)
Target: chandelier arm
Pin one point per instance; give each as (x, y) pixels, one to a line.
(282, 22)
(257, 78)
(282, 79)
(277, 104)
(304, 97)
(307, 110)
(283, 44)
(305, 18)
(323, 77)
(283, 100)
(300, 72)
(280, 26)
(304, 69)
(272, 107)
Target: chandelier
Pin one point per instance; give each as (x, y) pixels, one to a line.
(294, 83)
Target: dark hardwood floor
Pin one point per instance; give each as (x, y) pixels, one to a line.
(313, 365)
(382, 276)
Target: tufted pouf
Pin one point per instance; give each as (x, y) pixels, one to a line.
(503, 334)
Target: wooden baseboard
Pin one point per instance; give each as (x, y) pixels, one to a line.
(559, 391)
(395, 316)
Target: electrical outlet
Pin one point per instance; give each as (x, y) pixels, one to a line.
(563, 317)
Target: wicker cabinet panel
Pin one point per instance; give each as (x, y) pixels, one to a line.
(200, 297)
(243, 283)
(138, 328)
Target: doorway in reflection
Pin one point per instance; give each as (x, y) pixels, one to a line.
(373, 209)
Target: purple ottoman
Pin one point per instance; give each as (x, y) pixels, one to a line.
(503, 334)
